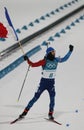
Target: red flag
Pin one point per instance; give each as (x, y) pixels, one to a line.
(3, 31)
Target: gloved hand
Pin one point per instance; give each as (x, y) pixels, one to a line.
(71, 47)
(25, 57)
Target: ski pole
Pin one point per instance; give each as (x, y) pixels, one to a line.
(23, 83)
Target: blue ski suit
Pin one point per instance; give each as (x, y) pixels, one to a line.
(47, 81)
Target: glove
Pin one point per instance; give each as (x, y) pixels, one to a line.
(71, 47)
(25, 57)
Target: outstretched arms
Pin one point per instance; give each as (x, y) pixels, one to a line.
(43, 61)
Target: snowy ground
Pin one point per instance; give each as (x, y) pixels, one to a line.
(69, 107)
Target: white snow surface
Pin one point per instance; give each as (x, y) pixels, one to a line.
(69, 103)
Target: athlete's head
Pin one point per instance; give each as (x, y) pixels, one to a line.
(50, 53)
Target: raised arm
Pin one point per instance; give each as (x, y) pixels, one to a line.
(66, 57)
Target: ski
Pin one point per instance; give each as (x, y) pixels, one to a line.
(53, 120)
(17, 119)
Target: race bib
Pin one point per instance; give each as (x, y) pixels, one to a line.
(49, 74)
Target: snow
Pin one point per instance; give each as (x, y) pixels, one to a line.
(69, 108)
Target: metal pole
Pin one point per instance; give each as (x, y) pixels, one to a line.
(23, 83)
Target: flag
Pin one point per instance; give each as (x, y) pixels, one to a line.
(10, 23)
(3, 31)
(13, 30)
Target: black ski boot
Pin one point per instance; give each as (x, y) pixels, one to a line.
(50, 115)
(23, 114)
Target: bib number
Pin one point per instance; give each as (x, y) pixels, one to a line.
(48, 74)
(51, 75)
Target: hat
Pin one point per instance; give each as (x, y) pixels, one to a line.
(49, 50)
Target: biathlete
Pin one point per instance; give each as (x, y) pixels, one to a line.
(47, 82)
